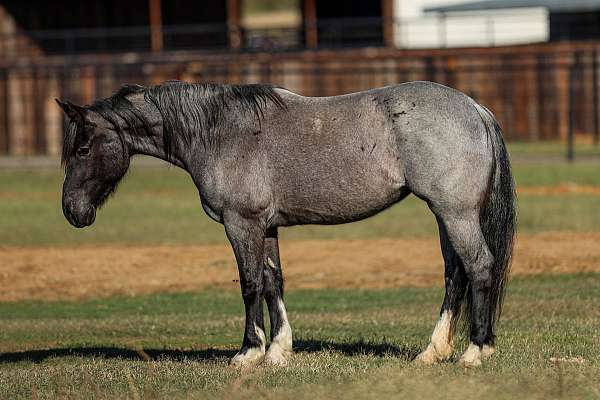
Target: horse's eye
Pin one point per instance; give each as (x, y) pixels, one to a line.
(83, 151)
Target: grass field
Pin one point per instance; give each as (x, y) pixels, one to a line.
(348, 342)
(161, 205)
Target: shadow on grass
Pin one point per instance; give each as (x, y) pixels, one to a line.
(359, 347)
(300, 346)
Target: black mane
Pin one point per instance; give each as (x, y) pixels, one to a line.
(188, 110)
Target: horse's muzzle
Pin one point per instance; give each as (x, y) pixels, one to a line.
(79, 217)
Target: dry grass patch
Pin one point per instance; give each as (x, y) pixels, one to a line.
(51, 273)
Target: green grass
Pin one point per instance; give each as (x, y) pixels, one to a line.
(524, 150)
(161, 205)
(551, 174)
(348, 344)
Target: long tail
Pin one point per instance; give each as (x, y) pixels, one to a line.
(498, 216)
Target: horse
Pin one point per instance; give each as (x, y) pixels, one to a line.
(263, 157)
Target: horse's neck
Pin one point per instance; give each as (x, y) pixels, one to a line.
(150, 143)
(153, 146)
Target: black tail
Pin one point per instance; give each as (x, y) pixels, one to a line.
(498, 216)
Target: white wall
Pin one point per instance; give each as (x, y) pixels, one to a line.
(414, 29)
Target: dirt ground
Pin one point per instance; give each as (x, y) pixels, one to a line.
(70, 273)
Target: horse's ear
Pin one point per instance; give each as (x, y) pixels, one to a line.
(73, 111)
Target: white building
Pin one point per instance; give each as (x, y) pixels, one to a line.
(452, 23)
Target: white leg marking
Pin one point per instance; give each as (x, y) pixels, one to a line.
(281, 347)
(270, 263)
(441, 346)
(487, 351)
(471, 358)
(252, 355)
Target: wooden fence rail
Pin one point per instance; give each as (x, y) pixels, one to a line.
(527, 87)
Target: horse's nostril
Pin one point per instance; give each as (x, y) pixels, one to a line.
(70, 216)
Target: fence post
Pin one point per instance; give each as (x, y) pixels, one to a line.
(234, 15)
(595, 96)
(387, 10)
(156, 35)
(311, 39)
(573, 69)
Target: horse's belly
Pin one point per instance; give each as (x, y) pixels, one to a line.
(340, 201)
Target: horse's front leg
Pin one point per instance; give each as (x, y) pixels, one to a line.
(247, 238)
(280, 349)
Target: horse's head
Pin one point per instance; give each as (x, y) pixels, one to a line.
(95, 158)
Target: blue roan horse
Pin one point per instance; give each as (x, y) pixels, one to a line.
(263, 157)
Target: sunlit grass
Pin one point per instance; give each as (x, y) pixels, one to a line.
(347, 343)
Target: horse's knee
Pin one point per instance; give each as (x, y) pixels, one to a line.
(252, 289)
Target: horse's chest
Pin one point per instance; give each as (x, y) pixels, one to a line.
(213, 212)
(211, 197)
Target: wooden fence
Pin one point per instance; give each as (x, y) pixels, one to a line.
(537, 92)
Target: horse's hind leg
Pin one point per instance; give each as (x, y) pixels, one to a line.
(441, 346)
(280, 349)
(466, 238)
(247, 238)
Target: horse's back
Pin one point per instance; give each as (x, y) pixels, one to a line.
(343, 158)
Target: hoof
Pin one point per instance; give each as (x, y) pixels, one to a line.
(277, 356)
(432, 355)
(471, 358)
(427, 356)
(247, 358)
